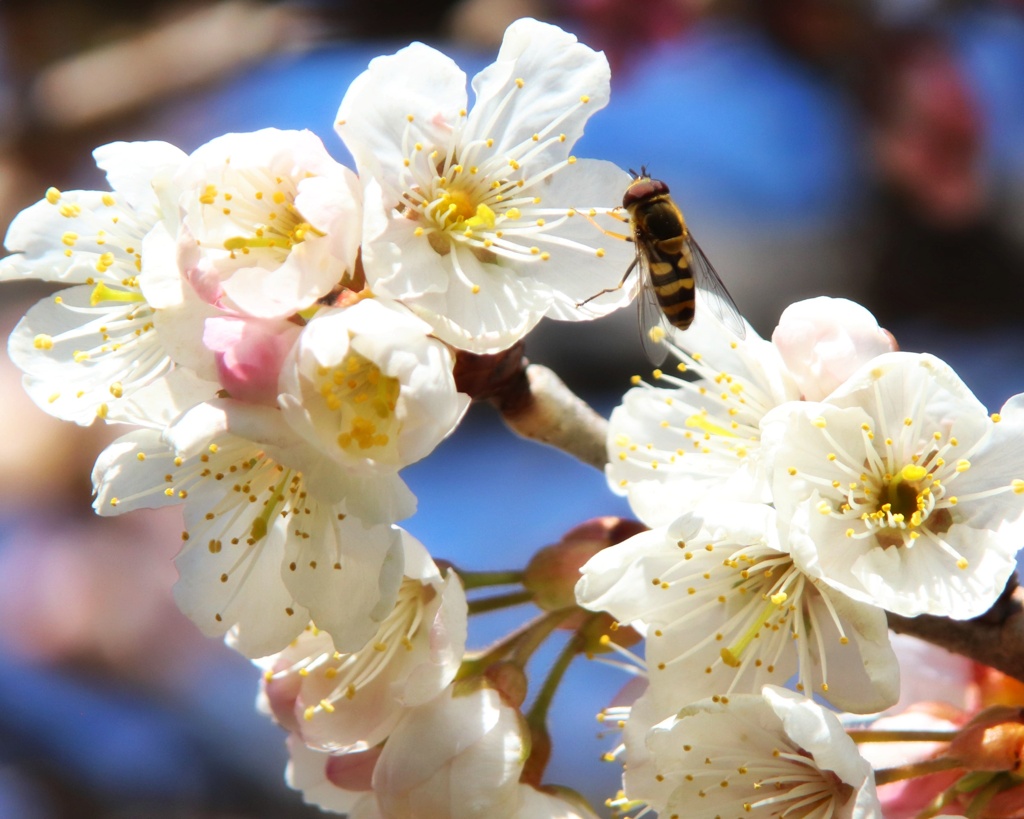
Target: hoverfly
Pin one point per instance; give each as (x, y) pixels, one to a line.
(670, 264)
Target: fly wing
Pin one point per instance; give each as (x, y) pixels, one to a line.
(651, 320)
(715, 294)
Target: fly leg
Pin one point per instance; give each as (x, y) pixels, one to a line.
(618, 286)
(622, 237)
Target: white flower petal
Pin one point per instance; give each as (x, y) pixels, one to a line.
(760, 756)
(315, 774)
(824, 340)
(458, 756)
(224, 585)
(136, 169)
(540, 79)
(418, 82)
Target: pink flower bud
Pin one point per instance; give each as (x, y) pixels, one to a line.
(824, 340)
(553, 572)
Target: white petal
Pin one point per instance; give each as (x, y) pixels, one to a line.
(120, 472)
(224, 585)
(309, 771)
(457, 756)
(92, 356)
(417, 82)
(824, 340)
(346, 574)
(65, 239)
(556, 71)
(332, 203)
(574, 274)
(133, 168)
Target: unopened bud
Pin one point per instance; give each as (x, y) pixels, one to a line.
(553, 572)
(509, 680)
(992, 741)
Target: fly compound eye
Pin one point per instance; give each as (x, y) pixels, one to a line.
(643, 188)
(658, 187)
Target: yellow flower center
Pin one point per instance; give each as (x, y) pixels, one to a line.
(364, 399)
(908, 504)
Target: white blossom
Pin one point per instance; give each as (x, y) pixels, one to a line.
(695, 435)
(90, 350)
(276, 533)
(368, 386)
(726, 611)
(345, 702)
(900, 490)
(477, 219)
(270, 222)
(760, 755)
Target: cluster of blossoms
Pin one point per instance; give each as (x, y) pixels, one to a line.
(797, 490)
(281, 333)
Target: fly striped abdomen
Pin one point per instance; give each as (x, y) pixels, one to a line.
(661, 235)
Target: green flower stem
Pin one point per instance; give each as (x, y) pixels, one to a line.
(533, 639)
(530, 635)
(537, 716)
(977, 805)
(902, 736)
(915, 769)
(499, 601)
(481, 580)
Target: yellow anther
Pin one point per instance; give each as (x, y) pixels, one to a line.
(913, 473)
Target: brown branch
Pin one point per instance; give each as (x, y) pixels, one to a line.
(535, 403)
(553, 414)
(995, 639)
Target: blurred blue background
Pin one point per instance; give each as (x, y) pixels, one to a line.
(874, 151)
